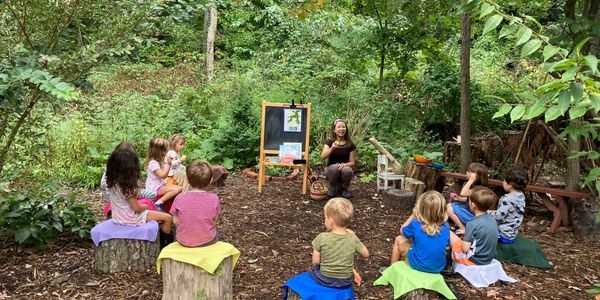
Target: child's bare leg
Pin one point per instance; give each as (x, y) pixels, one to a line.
(168, 192)
(164, 219)
(455, 218)
(400, 248)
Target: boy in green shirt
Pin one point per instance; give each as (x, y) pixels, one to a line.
(333, 251)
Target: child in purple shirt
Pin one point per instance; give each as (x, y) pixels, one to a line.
(195, 213)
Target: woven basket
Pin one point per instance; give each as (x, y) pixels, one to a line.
(318, 190)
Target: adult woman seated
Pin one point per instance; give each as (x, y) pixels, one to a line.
(340, 153)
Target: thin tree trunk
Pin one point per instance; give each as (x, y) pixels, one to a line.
(210, 40)
(573, 166)
(381, 66)
(11, 138)
(205, 29)
(465, 94)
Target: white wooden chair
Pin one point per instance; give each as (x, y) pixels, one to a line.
(386, 178)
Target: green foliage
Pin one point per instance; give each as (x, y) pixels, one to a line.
(34, 218)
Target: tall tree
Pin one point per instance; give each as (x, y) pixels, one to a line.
(465, 91)
(210, 39)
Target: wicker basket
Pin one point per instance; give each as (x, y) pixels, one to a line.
(318, 190)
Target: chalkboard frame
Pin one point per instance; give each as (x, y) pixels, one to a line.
(271, 125)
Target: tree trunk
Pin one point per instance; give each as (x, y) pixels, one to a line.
(185, 281)
(425, 173)
(465, 94)
(13, 133)
(205, 29)
(210, 40)
(123, 255)
(573, 171)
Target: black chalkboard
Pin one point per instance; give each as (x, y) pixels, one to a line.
(274, 135)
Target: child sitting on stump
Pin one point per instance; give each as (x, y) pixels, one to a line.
(511, 207)
(333, 251)
(424, 236)
(478, 247)
(195, 212)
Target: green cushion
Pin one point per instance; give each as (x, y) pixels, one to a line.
(524, 252)
(405, 279)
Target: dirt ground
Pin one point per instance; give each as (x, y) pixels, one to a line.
(273, 231)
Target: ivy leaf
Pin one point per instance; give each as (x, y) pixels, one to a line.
(577, 111)
(564, 101)
(507, 29)
(523, 35)
(504, 109)
(517, 112)
(592, 62)
(228, 163)
(576, 91)
(552, 113)
(491, 23)
(486, 9)
(530, 47)
(550, 51)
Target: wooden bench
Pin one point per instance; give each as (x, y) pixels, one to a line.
(561, 213)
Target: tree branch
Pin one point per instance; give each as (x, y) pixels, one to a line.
(21, 26)
(15, 130)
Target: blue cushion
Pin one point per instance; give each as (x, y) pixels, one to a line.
(309, 289)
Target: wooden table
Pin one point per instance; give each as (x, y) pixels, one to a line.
(561, 213)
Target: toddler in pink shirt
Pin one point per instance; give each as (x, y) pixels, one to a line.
(195, 212)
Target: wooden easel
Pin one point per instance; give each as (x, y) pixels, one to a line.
(272, 135)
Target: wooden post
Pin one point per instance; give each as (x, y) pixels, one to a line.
(415, 186)
(123, 255)
(186, 281)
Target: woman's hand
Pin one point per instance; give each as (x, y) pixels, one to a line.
(341, 166)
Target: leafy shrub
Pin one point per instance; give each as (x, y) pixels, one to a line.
(34, 217)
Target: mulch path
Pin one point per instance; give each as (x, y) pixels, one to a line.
(274, 230)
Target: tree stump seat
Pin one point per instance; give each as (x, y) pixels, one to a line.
(123, 248)
(399, 198)
(186, 281)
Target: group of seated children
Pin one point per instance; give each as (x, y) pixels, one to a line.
(194, 212)
(426, 235)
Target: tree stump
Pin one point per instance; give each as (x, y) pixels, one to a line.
(124, 255)
(425, 173)
(511, 140)
(452, 153)
(415, 186)
(421, 294)
(488, 150)
(186, 281)
(399, 198)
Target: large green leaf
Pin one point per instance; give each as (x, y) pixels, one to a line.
(535, 21)
(552, 113)
(579, 45)
(576, 91)
(523, 35)
(578, 111)
(517, 112)
(535, 110)
(22, 234)
(592, 63)
(550, 51)
(564, 101)
(485, 9)
(595, 98)
(530, 47)
(491, 23)
(561, 65)
(504, 109)
(507, 29)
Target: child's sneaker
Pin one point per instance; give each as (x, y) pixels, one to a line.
(160, 207)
